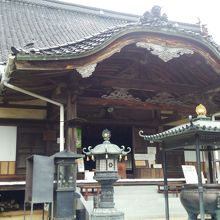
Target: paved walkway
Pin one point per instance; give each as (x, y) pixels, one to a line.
(144, 203)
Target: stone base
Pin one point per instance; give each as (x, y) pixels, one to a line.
(107, 214)
(69, 218)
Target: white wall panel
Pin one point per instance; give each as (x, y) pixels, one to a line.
(190, 156)
(8, 140)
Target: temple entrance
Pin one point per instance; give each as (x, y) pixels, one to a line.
(174, 161)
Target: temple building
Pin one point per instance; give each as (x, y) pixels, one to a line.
(72, 71)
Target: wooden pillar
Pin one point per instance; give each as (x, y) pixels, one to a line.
(71, 114)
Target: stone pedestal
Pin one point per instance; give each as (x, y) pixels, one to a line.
(107, 214)
(105, 202)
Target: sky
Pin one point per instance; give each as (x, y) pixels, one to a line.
(188, 11)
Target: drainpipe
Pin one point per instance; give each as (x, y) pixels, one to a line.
(47, 100)
(4, 82)
(216, 154)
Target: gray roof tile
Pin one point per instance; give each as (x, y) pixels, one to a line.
(50, 28)
(50, 23)
(88, 44)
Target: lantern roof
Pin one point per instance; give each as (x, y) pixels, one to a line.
(67, 154)
(184, 135)
(106, 147)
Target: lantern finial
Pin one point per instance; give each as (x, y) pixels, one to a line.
(106, 134)
(201, 110)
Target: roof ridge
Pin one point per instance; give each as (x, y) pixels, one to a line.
(81, 8)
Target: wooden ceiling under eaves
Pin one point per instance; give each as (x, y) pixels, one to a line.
(133, 84)
(178, 85)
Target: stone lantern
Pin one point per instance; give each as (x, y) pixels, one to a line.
(106, 156)
(65, 178)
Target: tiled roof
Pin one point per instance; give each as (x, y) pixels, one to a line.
(46, 24)
(152, 22)
(198, 125)
(77, 48)
(43, 29)
(95, 42)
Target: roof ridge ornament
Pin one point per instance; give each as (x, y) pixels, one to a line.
(154, 17)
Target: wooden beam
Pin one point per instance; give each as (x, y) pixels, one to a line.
(11, 96)
(36, 87)
(146, 85)
(215, 87)
(18, 113)
(133, 104)
(170, 119)
(27, 75)
(149, 123)
(23, 106)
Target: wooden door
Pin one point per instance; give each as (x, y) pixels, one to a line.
(174, 160)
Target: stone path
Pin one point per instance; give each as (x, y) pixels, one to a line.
(144, 203)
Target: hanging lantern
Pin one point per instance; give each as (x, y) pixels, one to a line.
(93, 158)
(120, 157)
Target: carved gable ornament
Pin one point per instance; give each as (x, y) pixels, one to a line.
(86, 71)
(120, 93)
(164, 52)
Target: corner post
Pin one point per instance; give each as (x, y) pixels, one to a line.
(200, 186)
(165, 185)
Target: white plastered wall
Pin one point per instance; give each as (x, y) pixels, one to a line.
(190, 156)
(8, 140)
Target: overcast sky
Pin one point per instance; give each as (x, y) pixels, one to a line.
(178, 10)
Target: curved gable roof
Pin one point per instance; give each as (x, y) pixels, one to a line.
(50, 30)
(94, 43)
(45, 24)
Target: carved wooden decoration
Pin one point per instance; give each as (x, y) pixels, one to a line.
(164, 97)
(120, 93)
(86, 71)
(165, 53)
